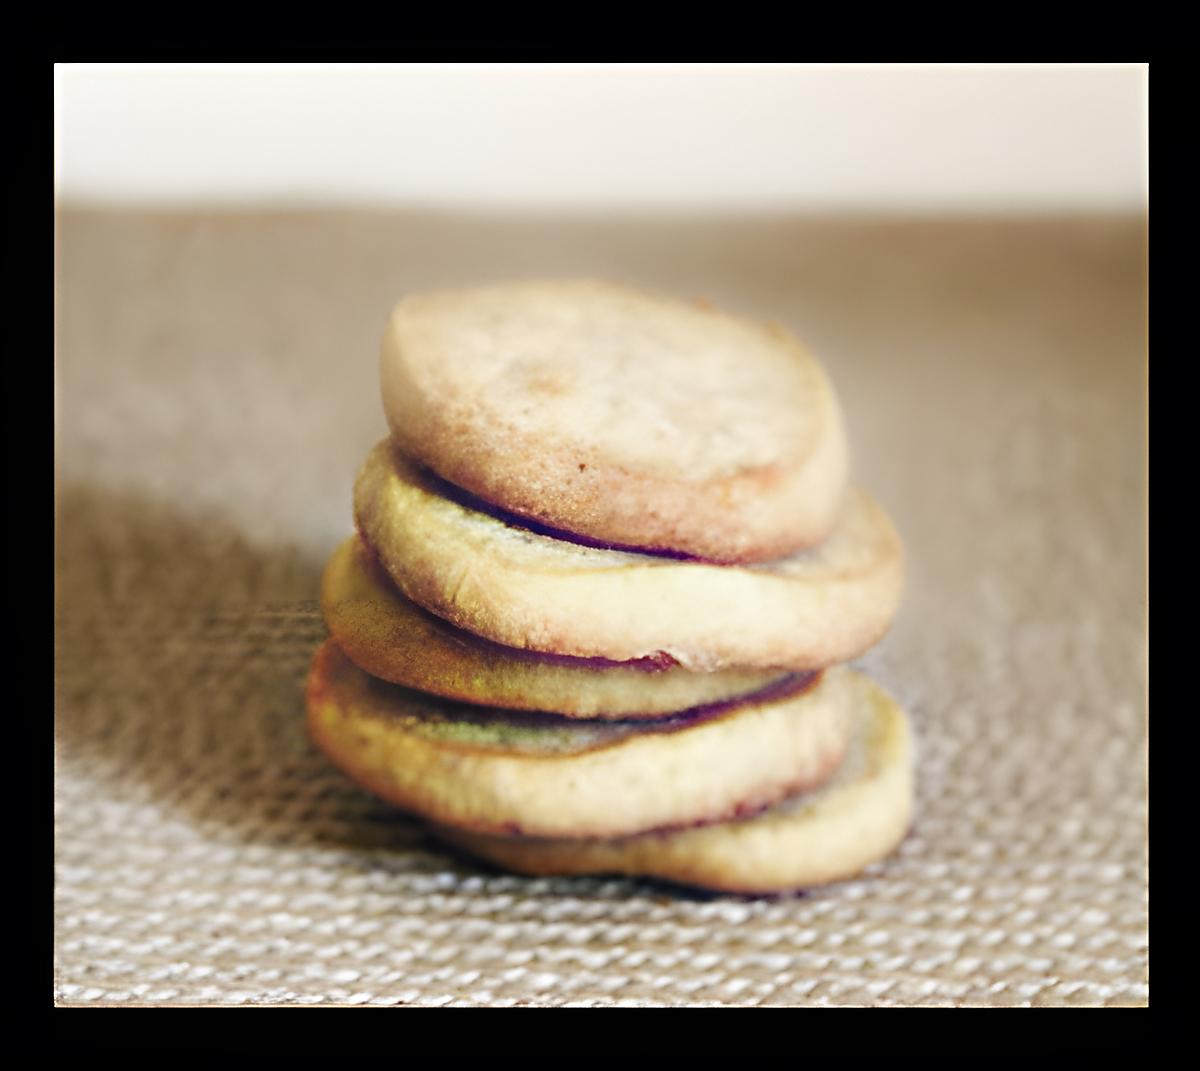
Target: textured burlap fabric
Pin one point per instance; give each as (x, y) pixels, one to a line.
(217, 389)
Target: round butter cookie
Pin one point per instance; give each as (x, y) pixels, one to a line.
(628, 418)
(856, 818)
(515, 773)
(527, 589)
(390, 637)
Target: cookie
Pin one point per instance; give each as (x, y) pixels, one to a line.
(856, 818)
(633, 419)
(526, 589)
(520, 773)
(392, 638)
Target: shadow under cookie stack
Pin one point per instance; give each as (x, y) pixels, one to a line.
(608, 568)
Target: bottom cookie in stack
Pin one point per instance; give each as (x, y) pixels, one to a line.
(832, 832)
(755, 782)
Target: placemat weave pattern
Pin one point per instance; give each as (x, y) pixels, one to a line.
(217, 390)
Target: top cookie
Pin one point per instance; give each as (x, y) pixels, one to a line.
(628, 419)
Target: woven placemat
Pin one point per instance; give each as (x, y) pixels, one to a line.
(217, 390)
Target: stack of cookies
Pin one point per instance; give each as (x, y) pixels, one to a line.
(608, 568)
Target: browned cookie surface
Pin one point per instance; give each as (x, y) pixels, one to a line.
(635, 419)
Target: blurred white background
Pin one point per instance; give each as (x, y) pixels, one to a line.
(607, 137)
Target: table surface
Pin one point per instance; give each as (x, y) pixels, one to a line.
(216, 391)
